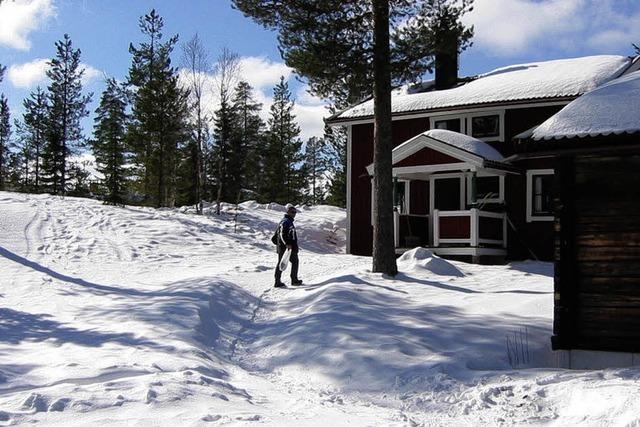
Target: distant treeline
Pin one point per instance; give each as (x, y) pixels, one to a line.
(153, 140)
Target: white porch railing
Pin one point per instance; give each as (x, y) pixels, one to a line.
(474, 238)
(396, 225)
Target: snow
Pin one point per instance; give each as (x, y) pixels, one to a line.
(613, 108)
(466, 143)
(135, 316)
(536, 80)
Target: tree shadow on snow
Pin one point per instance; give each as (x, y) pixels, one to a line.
(360, 334)
(18, 326)
(533, 267)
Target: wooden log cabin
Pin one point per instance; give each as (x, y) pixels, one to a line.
(595, 144)
(467, 196)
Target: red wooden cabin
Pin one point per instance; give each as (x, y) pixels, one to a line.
(462, 193)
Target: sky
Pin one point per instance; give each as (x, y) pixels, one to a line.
(506, 32)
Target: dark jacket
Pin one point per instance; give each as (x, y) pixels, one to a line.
(287, 233)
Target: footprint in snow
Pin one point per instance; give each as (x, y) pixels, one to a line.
(59, 405)
(151, 396)
(211, 418)
(35, 402)
(251, 418)
(220, 396)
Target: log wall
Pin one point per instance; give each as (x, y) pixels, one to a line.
(597, 277)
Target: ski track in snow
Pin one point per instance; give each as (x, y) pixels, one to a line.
(137, 316)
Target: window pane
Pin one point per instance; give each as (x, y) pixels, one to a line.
(542, 194)
(487, 187)
(485, 126)
(399, 197)
(451, 124)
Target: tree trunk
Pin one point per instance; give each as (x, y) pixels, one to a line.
(384, 257)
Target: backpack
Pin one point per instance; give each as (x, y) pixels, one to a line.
(275, 237)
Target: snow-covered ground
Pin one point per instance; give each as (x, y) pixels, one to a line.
(137, 316)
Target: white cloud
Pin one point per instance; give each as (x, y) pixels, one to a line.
(31, 74)
(514, 27)
(309, 118)
(262, 73)
(28, 75)
(19, 18)
(511, 26)
(90, 74)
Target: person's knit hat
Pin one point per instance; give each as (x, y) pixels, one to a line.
(290, 208)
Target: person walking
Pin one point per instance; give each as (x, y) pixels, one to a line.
(288, 239)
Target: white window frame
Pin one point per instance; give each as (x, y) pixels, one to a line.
(461, 117)
(466, 123)
(500, 114)
(480, 174)
(530, 215)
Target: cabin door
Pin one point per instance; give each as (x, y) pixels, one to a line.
(448, 193)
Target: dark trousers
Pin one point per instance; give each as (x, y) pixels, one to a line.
(294, 264)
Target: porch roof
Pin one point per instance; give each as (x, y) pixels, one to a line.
(464, 151)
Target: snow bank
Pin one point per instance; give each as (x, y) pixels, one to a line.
(424, 259)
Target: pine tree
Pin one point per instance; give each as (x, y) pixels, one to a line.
(223, 126)
(24, 154)
(33, 133)
(160, 113)
(316, 164)
(227, 69)
(284, 179)
(247, 148)
(109, 144)
(78, 181)
(5, 135)
(351, 49)
(67, 106)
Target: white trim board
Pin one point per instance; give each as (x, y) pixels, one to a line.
(464, 251)
(349, 171)
(422, 141)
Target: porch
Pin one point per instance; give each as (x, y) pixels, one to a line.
(460, 211)
(471, 232)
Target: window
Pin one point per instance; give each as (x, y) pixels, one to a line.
(485, 126)
(488, 189)
(539, 195)
(399, 196)
(448, 124)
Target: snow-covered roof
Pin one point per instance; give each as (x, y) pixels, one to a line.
(537, 80)
(613, 108)
(462, 147)
(466, 143)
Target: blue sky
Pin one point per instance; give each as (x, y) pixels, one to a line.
(507, 32)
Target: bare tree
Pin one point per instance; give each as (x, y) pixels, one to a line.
(195, 59)
(227, 72)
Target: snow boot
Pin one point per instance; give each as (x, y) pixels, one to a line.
(296, 282)
(279, 285)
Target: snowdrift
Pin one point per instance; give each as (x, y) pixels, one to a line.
(139, 316)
